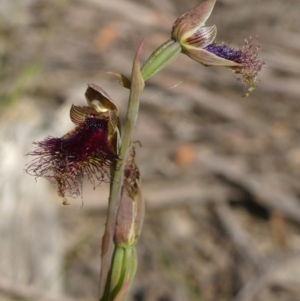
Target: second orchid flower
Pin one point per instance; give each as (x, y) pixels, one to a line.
(190, 36)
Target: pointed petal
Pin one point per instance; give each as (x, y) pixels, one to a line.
(79, 113)
(98, 99)
(207, 58)
(114, 137)
(192, 20)
(203, 37)
(114, 119)
(123, 80)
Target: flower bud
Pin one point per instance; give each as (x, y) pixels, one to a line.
(123, 269)
(132, 208)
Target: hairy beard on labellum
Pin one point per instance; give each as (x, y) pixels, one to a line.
(64, 161)
(247, 56)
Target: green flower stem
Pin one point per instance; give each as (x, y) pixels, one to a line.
(137, 86)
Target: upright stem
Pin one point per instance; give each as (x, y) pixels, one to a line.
(136, 88)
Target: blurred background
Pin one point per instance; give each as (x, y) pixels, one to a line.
(220, 172)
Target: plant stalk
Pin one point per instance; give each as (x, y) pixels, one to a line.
(137, 86)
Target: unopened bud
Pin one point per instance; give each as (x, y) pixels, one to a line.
(132, 208)
(123, 269)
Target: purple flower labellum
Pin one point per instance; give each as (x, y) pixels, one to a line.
(64, 161)
(224, 52)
